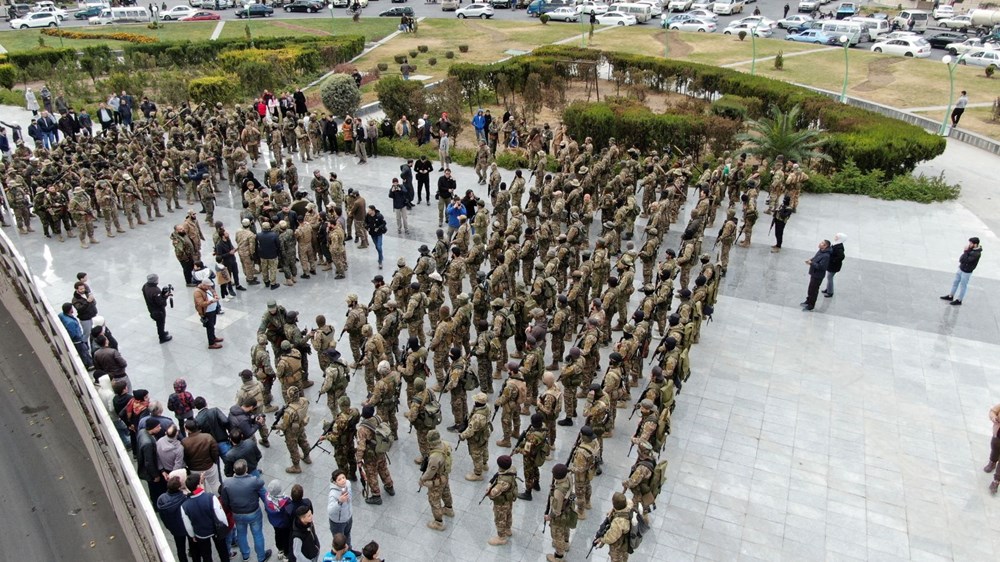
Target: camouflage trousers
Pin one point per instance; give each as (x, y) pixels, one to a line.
(288, 268)
(618, 552)
(268, 382)
(484, 370)
(170, 196)
(459, 406)
(269, 271)
(510, 422)
(531, 473)
(374, 469)
(296, 440)
(339, 258)
(422, 443)
(724, 253)
(440, 366)
(308, 259)
(209, 204)
(560, 538)
(439, 496)
(388, 415)
(86, 227)
(480, 456)
(246, 262)
(583, 491)
(370, 375)
(648, 267)
(355, 340)
(502, 513)
(343, 455)
(569, 400)
(132, 214)
(22, 215)
(110, 217)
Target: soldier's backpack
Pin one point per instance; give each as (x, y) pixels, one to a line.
(638, 528)
(381, 440)
(507, 326)
(662, 429)
(685, 364)
(658, 479)
(446, 452)
(469, 379)
(494, 345)
(570, 517)
(430, 415)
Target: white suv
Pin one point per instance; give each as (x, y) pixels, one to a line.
(36, 19)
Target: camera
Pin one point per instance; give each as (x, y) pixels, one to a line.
(168, 292)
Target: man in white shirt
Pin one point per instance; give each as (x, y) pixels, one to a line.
(956, 113)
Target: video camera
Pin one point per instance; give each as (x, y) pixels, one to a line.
(168, 292)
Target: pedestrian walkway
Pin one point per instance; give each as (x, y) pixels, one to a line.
(218, 30)
(856, 432)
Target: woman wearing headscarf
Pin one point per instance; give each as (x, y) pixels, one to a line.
(836, 262)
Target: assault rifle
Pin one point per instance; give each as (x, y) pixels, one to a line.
(327, 430)
(277, 417)
(548, 505)
(496, 407)
(576, 445)
(360, 359)
(601, 531)
(520, 440)
(493, 483)
(364, 479)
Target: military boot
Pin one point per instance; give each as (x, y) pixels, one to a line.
(449, 512)
(60, 237)
(505, 442)
(525, 495)
(294, 469)
(553, 558)
(110, 234)
(94, 240)
(497, 541)
(993, 487)
(83, 244)
(473, 477)
(374, 500)
(436, 525)
(581, 515)
(307, 460)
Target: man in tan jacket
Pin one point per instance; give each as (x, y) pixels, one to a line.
(206, 303)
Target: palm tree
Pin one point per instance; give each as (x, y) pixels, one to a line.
(778, 134)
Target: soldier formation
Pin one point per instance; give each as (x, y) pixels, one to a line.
(524, 274)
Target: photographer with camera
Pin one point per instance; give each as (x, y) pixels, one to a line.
(156, 303)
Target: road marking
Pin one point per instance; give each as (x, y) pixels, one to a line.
(218, 30)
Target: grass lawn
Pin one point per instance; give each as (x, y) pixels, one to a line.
(895, 81)
(487, 41)
(975, 119)
(373, 29)
(27, 39)
(706, 48)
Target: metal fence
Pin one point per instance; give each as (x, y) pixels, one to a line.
(55, 350)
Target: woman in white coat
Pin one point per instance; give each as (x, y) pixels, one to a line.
(31, 102)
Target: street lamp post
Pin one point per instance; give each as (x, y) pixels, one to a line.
(583, 26)
(843, 91)
(332, 20)
(666, 36)
(952, 64)
(753, 46)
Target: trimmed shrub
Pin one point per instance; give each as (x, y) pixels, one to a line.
(340, 95)
(8, 75)
(779, 61)
(422, 48)
(463, 48)
(382, 67)
(742, 35)
(413, 54)
(222, 88)
(449, 54)
(127, 37)
(432, 61)
(544, 18)
(400, 59)
(849, 179)
(52, 57)
(397, 96)
(990, 70)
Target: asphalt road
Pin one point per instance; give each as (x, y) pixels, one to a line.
(53, 505)
(769, 8)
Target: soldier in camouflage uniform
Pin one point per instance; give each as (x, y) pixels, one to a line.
(477, 435)
(375, 464)
(436, 477)
(336, 377)
(246, 243)
(253, 389)
(293, 424)
(640, 477)
(616, 537)
(286, 239)
(338, 253)
(534, 447)
(289, 367)
(584, 466)
(419, 417)
(357, 317)
(548, 405)
(380, 296)
(294, 335)
(20, 201)
(83, 215)
(374, 352)
(486, 352)
(454, 385)
(107, 202)
(344, 430)
(503, 494)
(385, 396)
(414, 314)
(560, 511)
(512, 395)
(260, 359)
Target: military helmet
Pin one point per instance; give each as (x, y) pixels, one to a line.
(286, 345)
(292, 393)
(433, 436)
(352, 298)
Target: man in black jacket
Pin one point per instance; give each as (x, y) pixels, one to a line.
(817, 271)
(400, 203)
(148, 468)
(406, 176)
(445, 190)
(967, 263)
(423, 168)
(376, 227)
(156, 303)
(268, 250)
(836, 262)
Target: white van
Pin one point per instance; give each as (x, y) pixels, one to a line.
(919, 17)
(728, 7)
(129, 14)
(877, 27)
(642, 12)
(856, 32)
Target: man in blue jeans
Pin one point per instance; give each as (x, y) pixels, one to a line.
(967, 263)
(241, 494)
(375, 224)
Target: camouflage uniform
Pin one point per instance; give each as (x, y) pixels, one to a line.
(293, 424)
(375, 464)
(262, 369)
(503, 494)
(477, 435)
(436, 477)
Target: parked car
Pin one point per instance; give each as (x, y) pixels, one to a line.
(212, 4)
(616, 18)
(310, 6)
(503, 4)
(943, 39)
(681, 18)
(202, 16)
(846, 10)
(679, 5)
(813, 36)
(695, 24)
(15, 11)
(943, 11)
(484, 11)
(88, 13)
(981, 58)
(808, 6)
(702, 5)
(956, 22)
(906, 46)
(591, 8)
(539, 7)
(655, 8)
(396, 12)
(340, 3)
(177, 12)
(728, 7)
(753, 20)
(703, 14)
(735, 29)
(564, 14)
(36, 19)
(254, 11)
(970, 45)
(794, 21)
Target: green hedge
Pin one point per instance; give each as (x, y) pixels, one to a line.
(736, 107)
(8, 75)
(635, 125)
(328, 51)
(873, 141)
(23, 59)
(222, 88)
(851, 180)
